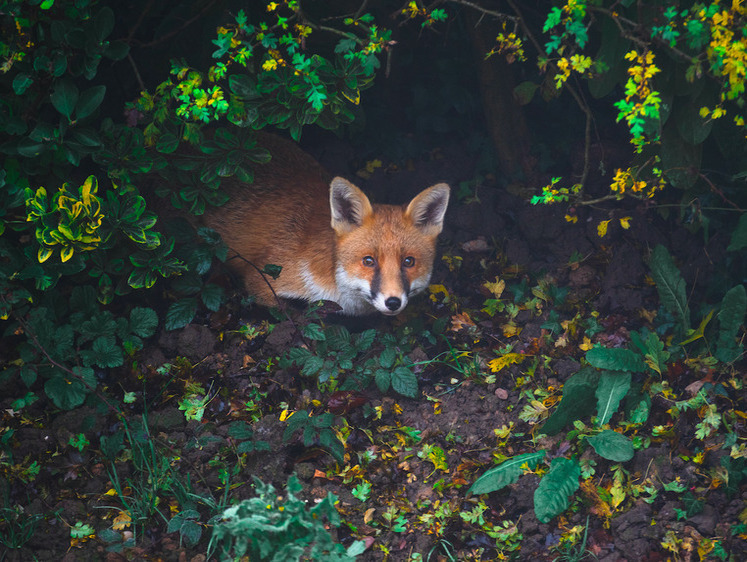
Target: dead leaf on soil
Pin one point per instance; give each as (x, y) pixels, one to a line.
(461, 320)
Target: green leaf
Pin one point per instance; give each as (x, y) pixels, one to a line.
(103, 23)
(577, 402)
(555, 488)
(383, 379)
(612, 446)
(295, 422)
(64, 97)
(299, 355)
(240, 430)
(112, 445)
(312, 365)
(524, 92)
(189, 529)
(29, 148)
(143, 322)
(365, 340)
(328, 439)
(615, 359)
(314, 332)
(167, 143)
(212, 296)
(640, 409)
(387, 358)
(89, 101)
(506, 473)
(656, 358)
(730, 318)
(670, 284)
(66, 392)
(21, 83)
(116, 50)
(613, 386)
(739, 236)
(405, 382)
(180, 313)
(103, 353)
(244, 87)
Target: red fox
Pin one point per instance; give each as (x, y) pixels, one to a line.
(330, 241)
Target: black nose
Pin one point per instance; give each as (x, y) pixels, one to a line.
(392, 303)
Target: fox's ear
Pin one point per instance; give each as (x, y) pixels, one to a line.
(428, 208)
(349, 205)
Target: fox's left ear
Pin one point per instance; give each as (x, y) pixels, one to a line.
(428, 208)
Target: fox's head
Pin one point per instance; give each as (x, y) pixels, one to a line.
(384, 253)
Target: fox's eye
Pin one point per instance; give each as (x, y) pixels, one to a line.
(368, 261)
(409, 261)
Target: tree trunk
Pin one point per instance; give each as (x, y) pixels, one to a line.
(503, 115)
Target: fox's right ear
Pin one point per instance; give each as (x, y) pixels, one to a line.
(349, 205)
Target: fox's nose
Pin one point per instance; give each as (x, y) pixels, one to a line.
(392, 303)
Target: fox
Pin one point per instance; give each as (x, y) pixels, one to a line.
(330, 241)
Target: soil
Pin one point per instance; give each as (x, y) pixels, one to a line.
(473, 418)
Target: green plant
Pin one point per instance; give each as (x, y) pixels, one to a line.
(268, 527)
(339, 353)
(316, 430)
(152, 475)
(362, 491)
(17, 527)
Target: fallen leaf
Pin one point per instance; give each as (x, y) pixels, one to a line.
(461, 320)
(496, 287)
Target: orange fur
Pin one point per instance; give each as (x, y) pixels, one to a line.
(331, 243)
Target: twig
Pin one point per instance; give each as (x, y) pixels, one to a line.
(184, 26)
(486, 11)
(719, 192)
(274, 294)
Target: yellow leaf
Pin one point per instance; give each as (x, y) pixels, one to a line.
(122, 521)
(66, 253)
(618, 494)
(571, 219)
(496, 287)
(602, 228)
(510, 329)
(44, 254)
(503, 361)
(625, 222)
(586, 345)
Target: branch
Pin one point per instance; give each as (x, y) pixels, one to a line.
(184, 26)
